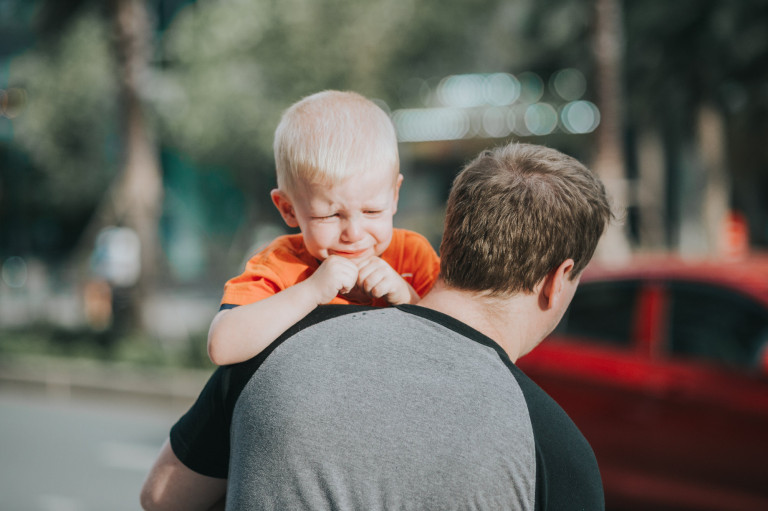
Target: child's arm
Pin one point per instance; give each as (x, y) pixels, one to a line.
(241, 333)
(380, 280)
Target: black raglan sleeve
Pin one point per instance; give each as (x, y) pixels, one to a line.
(200, 438)
(567, 475)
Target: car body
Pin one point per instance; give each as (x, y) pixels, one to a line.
(663, 364)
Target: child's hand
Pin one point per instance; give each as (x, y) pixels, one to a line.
(335, 275)
(380, 280)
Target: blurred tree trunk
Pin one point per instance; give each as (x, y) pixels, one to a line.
(651, 191)
(137, 194)
(717, 185)
(135, 197)
(609, 162)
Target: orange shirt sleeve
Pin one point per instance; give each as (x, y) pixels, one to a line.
(283, 263)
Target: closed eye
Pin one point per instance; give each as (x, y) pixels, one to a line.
(326, 217)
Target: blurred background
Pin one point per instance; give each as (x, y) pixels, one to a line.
(136, 164)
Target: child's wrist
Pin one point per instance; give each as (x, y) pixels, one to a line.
(309, 289)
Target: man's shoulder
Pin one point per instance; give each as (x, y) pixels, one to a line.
(324, 313)
(404, 325)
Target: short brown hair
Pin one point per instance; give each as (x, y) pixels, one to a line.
(514, 214)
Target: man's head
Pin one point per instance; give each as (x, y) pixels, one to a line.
(338, 174)
(515, 213)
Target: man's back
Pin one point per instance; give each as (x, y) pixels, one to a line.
(399, 408)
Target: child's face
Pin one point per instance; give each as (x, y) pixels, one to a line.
(352, 219)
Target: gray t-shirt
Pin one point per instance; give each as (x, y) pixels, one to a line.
(386, 409)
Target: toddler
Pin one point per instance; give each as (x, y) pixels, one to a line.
(338, 179)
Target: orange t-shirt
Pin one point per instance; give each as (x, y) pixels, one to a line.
(285, 262)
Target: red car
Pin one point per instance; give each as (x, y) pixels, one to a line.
(663, 364)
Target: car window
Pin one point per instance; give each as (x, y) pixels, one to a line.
(601, 312)
(716, 324)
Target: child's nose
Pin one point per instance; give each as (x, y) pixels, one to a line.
(353, 230)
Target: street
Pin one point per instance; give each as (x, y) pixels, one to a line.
(62, 452)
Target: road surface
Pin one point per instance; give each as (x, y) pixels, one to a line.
(63, 452)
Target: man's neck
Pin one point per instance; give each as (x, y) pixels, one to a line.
(509, 321)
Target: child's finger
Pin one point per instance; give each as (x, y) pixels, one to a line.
(366, 264)
(373, 280)
(364, 272)
(349, 279)
(370, 275)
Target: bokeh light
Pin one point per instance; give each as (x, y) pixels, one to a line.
(14, 272)
(472, 90)
(117, 256)
(541, 119)
(494, 105)
(532, 87)
(428, 124)
(502, 89)
(580, 117)
(495, 122)
(569, 84)
(461, 91)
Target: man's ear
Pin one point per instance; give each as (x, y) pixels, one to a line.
(551, 291)
(397, 192)
(284, 205)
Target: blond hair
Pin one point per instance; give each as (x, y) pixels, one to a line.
(331, 135)
(514, 214)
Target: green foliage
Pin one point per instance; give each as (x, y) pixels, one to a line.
(225, 70)
(68, 126)
(232, 67)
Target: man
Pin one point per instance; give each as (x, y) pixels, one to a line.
(415, 406)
